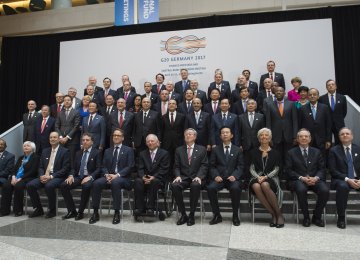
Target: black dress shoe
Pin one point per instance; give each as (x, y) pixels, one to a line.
(116, 219)
(216, 219)
(272, 224)
(70, 214)
(341, 224)
(236, 221)
(37, 212)
(306, 222)
(150, 212)
(19, 214)
(50, 214)
(94, 218)
(280, 225)
(182, 220)
(318, 222)
(161, 216)
(79, 216)
(191, 220)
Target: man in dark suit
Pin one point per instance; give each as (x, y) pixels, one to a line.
(95, 125)
(106, 113)
(317, 119)
(226, 170)
(162, 105)
(7, 162)
(275, 76)
(154, 98)
(45, 124)
(213, 107)
(264, 94)
(201, 122)
(281, 119)
(252, 85)
(58, 106)
(92, 81)
(221, 85)
(76, 102)
(224, 118)
(120, 90)
(124, 120)
(160, 78)
(118, 163)
(86, 170)
(239, 107)
(185, 107)
(249, 125)
(305, 167)
(107, 91)
(184, 84)
(54, 166)
(172, 94)
(172, 130)
(94, 96)
(152, 173)
(197, 92)
(29, 121)
(241, 84)
(67, 125)
(146, 122)
(127, 94)
(338, 107)
(190, 169)
(344, 166)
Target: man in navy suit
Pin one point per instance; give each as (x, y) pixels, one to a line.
(305, 167)
(194, 84)
(154, 98)
(172, 93)
(201, 122)
(239, 107)
(344, 166)
(226, 170)
(190, 169)
(224, 118)
(160, 78)
(106, 113)
(43, 127)
(182, 85)
(338, 107)
(127, 94)
(87, 168)
(275, 76)
(213, 107)
(252, 85)
(185, 107)
(107, 91)
(7, 162)
(95, 125)
(152, 173)
(118, 164)
(124, 120)
(222, 85)
(29, 121)
(53, 169)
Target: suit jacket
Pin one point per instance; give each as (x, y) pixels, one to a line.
(176, 96)
(260, 100)
(209, 108)
(97, 89)
(151, 125)
(101, 96)
(202, 96)
(53, 110)
(97, 129)
(125, 162)
(295, 164)
(217, 123)
(235, 94)
(337, 163)
(93, 164)
(198, 166)
(78, 103)
(254, 89)
(159, 168)
(42, 139)
(279, 78)
(202, 128)
(285, 126)
(172, 135)
(273, 161)
(179, 87)
(7, 162)
(127, 126)
(29, 126)
(129, 100)
(182, 108)
(248, 134)
(30, 168)
(154, 88)
(70, 126)
(96, 98)
(61, 163)
(157, 107)
(219, 166)
(120, 91)
(237, 108)
(154, 98)
(107, 117)
(320, 128)
(225, 90)
(340, 111)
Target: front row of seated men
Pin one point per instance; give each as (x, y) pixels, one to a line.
(304, 165)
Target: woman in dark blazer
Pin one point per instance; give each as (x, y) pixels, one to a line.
(136, 104)
(25, 170)
(264, 169)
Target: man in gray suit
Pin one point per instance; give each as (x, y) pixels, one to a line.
(96, 126)
(7, 161)
(29, 120)
(67, 125)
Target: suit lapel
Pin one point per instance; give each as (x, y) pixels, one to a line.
(299, 153)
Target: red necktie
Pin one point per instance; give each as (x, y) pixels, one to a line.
(189, 154)
(172, 119)
(43, 125)
(158, 88)
(121, 119)
(58, 110)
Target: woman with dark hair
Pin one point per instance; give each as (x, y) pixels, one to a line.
(25, 170)
(264, 184)
(137, 104)
(303, 93)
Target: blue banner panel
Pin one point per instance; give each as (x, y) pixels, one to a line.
(148, 11)
(124, 12)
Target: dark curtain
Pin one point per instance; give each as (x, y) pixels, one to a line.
(30, 65)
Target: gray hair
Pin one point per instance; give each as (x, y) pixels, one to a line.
(32, 145)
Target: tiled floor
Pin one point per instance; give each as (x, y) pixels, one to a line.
(39, 238)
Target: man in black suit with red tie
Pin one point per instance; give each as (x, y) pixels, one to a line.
(44, 126)
(190, 169)
(344, 166)
(305, 167)
(127, 94)
(182, 85)
(226, 170)
(275, 76)
(160, 78)
(58, 106)
(86, 170)
(152, 173)
(124, 120)
(220, 84)
(338, 107)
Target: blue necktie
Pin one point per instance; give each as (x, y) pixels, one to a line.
(332, 102)
(350, 165)
(114, 159)
(313, 110)
(224, 119)
(83, 163)
(184, 85)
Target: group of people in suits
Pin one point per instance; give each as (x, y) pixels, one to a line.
(203, 138)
